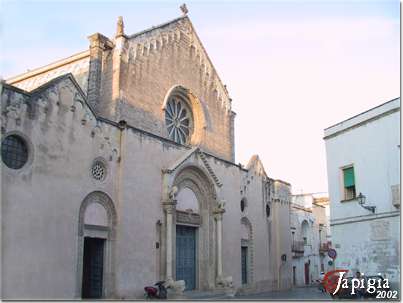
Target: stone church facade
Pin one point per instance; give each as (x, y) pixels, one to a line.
(118, 171)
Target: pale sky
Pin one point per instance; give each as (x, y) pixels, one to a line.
(292, 68)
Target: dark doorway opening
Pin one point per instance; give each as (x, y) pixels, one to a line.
(93, 267)
(244, 257)
(306, 273)
(294, 275)
(186, 255)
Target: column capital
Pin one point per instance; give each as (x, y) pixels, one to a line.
(169, 206)
(218, 213)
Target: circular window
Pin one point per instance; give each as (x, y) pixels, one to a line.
(179, 120)
(98, 170)
(14, 151)
(267, 210)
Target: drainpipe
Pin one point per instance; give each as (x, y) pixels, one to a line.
(122, 127)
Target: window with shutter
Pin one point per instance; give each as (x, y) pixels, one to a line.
(349, 183)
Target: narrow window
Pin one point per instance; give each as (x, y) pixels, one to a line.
(349, 183)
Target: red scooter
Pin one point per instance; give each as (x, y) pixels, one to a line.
(152, 292)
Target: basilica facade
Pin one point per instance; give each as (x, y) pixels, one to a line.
(118, 171)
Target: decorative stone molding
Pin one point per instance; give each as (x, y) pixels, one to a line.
(218, 213)
(103, 199)
(169, 206)
(209, 169)
(188, 217)
(181, 161)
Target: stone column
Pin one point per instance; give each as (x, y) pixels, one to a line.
(218, 213)
(169, 207)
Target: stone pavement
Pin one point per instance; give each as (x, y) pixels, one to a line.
(297, 293)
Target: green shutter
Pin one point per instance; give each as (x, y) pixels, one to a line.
(348, 177)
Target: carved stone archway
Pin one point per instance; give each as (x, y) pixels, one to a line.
(106, 231)
(198, 181)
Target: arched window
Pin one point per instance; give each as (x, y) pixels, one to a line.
(267, 210)
(243, 205)
(305, 232)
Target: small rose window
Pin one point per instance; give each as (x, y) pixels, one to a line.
(179, 120)
(98, 170)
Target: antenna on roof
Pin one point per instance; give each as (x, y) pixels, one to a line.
(184, 9)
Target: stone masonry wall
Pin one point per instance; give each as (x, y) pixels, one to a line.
(154, 62)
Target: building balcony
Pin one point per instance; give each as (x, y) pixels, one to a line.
(297, 248)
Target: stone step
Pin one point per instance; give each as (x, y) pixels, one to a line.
(211, 294)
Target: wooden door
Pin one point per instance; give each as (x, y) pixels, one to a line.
(93, 267)
(244, 261)
(186, 255)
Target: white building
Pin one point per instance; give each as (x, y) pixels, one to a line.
(311, 238)
(363, 164)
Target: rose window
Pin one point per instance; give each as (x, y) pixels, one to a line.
(179, 120)
(98, 171)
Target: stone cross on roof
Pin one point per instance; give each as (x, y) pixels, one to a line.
(184, 9)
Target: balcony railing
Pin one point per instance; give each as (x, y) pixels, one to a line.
(297, 246)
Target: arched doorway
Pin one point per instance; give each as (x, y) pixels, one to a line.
(96, 234)
(246, 252)
(306, 239)
(186, 266)
(194, 257)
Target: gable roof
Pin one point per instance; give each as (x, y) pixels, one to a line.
(199, 43)
(162, 25)
(195, 150)
(256, 165)
(39, 90)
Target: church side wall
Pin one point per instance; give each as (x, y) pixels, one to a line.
(140, 209)
(41, 201)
